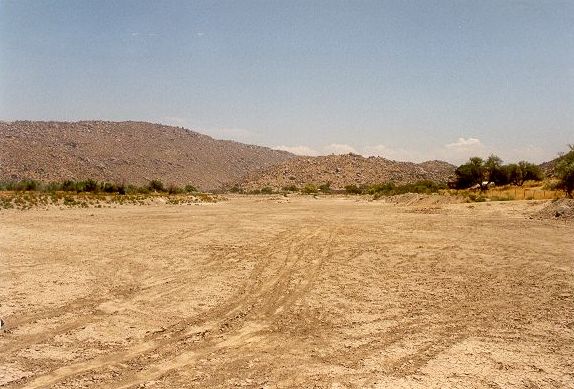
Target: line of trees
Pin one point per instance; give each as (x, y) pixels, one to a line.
(482, 173)
(93, 186)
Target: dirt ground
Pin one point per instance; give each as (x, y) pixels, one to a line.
(270, 292)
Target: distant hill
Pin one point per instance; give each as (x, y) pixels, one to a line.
(341, 170)
(129, 152)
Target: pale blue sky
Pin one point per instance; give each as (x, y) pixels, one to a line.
(402, 79)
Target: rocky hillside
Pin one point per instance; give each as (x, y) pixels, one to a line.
(548, 167)
(130, 152)
(341, 170)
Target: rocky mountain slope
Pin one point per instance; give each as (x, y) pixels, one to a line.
(341, 170)
(130, 152)
(549, 167)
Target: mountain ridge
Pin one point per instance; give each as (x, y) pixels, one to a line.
(130, 151)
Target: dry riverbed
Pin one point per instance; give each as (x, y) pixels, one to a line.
(274, 292)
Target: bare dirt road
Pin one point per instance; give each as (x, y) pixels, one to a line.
(279, 293)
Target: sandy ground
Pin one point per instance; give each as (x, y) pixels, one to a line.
(279, 293)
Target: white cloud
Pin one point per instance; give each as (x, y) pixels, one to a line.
(464, 143)
(143, 34)
(200, 34)
(298, 150)
(336, 148)
(228, 133)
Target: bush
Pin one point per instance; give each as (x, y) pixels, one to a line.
(190, 188)
(266, 190)
(27, 185)
(290, 188)
(325, 188)
(156, 186)
(353, 189)
(69, 186)
(174, 189)
(309, 189)
(390, 188)
(236, 189)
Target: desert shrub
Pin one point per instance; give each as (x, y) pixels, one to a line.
(174, 189)
(82, 186)
(190, 188)
(390, 188)
(69, 186)
(122, 189)
(108, 187)
(477, 198)
(52, 187)
(236, 189)
(29, 185)
(325, 188)
(156, 186)
(290, 188)
(90, 186)
(382, 189)
(266, 190)
(353, 189)
(424, 186)
(70, 201)
(310, 189)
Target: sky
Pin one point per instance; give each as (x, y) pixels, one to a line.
(406, 80)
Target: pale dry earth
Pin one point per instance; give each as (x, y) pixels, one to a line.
(272, 292)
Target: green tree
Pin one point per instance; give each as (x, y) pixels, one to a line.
(493, 170)
(523, 171)
(471, 173)
(515, 174)
(530, 171)
(565, 172)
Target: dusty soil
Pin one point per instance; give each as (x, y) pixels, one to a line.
(287, 292)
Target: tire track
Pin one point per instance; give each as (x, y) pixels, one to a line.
(261, 298)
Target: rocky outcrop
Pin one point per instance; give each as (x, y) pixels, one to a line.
(342, 170)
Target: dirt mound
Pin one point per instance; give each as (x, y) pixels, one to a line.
(129, 152)
(562, 209)
(342, 170)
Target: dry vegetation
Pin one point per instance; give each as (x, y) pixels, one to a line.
(31, 200)
(284, 292)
